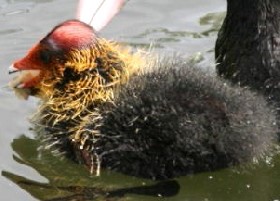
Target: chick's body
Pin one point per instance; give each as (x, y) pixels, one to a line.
(107, 108)
(175, 120)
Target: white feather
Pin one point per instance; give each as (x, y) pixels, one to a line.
(98, 13)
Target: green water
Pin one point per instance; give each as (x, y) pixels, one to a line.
(28, 173)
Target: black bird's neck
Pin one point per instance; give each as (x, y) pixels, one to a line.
(248, 46)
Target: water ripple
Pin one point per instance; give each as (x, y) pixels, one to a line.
(18, 11)
(10, 31)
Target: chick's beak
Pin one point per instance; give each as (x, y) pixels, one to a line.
(27, 72)
(23, 81)
(25, 78)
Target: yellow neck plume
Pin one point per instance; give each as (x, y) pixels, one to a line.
(97, 72)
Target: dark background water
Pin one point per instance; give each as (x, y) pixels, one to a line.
(184, 26)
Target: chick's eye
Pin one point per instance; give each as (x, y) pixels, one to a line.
(45, 56)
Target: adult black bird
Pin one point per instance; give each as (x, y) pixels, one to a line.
(248, 46)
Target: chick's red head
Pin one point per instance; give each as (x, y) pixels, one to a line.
(45, 60)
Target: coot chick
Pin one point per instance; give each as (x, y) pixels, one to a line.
(108, 108)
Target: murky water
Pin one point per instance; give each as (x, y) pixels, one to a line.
(184, 26)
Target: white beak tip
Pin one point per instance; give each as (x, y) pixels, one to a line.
(12, 69)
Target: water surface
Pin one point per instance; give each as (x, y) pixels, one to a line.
(184, 26)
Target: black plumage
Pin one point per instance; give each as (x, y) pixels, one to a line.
(176, 120)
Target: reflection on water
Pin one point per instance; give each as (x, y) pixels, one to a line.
(214, 20)
(162, 37)
(68, 181)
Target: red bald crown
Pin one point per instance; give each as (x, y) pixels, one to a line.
(69, 35)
